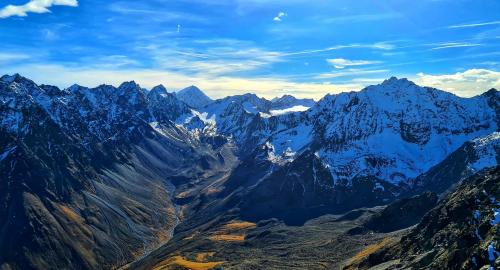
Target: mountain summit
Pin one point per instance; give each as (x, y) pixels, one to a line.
(194, 97)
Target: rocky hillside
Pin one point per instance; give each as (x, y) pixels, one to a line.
(86, 173)
(461, 232)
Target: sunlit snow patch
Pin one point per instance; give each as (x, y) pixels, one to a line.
(486, 149)
(298, 108)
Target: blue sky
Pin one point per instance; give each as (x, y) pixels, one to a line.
(303, 47)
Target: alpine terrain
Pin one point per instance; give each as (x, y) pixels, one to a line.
(394, 176)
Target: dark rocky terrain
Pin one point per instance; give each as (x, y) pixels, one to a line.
(461, 232)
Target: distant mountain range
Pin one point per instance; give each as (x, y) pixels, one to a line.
(95, 178)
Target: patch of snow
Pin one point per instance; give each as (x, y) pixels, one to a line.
(298, 108)
(286, 156)
(492, 253)
(378, 186)
(264, 115)
(487, 149)
(496, 217)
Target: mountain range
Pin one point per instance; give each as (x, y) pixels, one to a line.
(109, 177)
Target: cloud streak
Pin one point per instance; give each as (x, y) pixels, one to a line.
(455, 45)
(12, 57)
(340, 63)
(377, 46)
(156, 14)
(473, 25)
(350, 73)
(34, 6)
(362, 18)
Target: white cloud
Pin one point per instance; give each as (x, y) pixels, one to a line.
(467, 83)
(34, 6)
(448, 45)
(279, 17)
(11, 57)
(219, 58)
(147, 11)
(341, 63)
(350, 73)
(378, 46)
(362, 18)
(474, 24)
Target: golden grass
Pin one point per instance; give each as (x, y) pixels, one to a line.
(183, 194)
(202, 257)
(363, 254)
(228, 237)
(181, 261)
(69, 213)
(211, 191)
(243, 225)
(233, 231)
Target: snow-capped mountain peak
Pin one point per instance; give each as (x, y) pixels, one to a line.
(193, 97)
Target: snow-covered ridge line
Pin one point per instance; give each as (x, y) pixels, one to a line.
(393, 131)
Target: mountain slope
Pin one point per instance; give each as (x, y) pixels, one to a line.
(473, 156)
(86, 179)
(394, 131)
(460, 233)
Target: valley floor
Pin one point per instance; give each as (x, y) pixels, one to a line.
(322, 243)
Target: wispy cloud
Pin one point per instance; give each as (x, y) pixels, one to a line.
(449, 45)
(34, 6)
(340, 63)
(10, 57)
(155, 13)
(217, 58)
(473, 25)
(378, 46)
(350, 73)
(467, 83)
(362, 18)
(111, 62)
(280, 16)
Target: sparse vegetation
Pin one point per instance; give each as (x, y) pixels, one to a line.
(182, 262)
